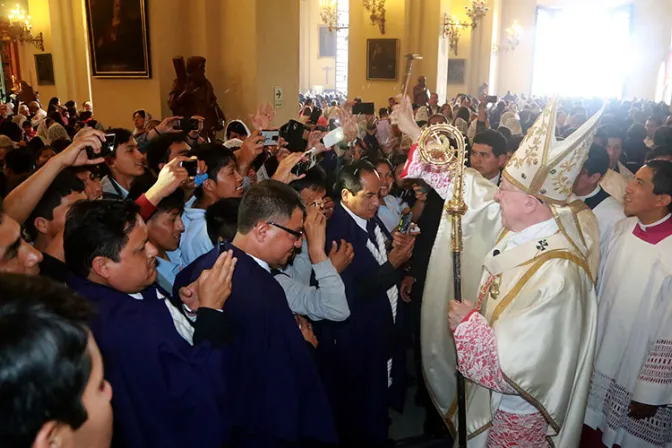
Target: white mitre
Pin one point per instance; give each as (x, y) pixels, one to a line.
(545, 167)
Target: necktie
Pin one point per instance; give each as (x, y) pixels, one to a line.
(371, 230)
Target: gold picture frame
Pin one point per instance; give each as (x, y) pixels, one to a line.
(118, 34)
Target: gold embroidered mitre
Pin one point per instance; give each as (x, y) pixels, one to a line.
(545, 167)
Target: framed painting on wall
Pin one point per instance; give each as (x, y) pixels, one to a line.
(44, 67)
(118, 38)
(381, 59)
(456, 70)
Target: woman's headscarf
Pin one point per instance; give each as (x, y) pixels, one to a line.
(56, 132)
(240, 123)
(511, 121)
(148, 118)
(461, 125)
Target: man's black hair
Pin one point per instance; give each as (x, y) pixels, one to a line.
(56, 116)
(266, 201)
(60, 144)
(597, 161)
(11, 130)
(19, 161)
(657, 120)
(350, 177)
(463, 113)
(44, 362)
(35, 144)
(663, 136)
(65, 183)
(659, 151)
(506, 132)
(514, 143)
(158, 149)
(97, 229)
(608, 131)
(216, 157)
(221, 219)
(662, 178)
(142, 184)
(85, 115)
(70, 104)
(493, 139)
(315, 179)
(122, 136)
(39, 151)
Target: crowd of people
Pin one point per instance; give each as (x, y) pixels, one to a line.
(161, 289)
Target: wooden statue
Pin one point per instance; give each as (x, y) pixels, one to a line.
(192, 94)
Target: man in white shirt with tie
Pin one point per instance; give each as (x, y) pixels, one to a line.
(360, 357)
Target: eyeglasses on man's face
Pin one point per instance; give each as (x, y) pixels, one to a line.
(297, 234)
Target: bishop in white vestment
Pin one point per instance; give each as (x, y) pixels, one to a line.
(631, 388)
(527, 351)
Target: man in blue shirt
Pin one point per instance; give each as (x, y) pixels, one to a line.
(223, 182)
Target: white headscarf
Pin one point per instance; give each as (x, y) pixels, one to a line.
(57, 132)
(226, 131)
(462, 125)
(510, 120)
(148, 118)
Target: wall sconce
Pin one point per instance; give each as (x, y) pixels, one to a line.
(452, 28)
(476, 12)
(329, 13)
(513, 35)
(377, 10)
(19, 30)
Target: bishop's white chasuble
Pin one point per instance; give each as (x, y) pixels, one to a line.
(545, 349)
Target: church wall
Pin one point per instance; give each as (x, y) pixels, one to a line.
(651, 31)
(40, 18)
(463, 49)
(515, 67)
(426, 39)
(315, 67)
(115, 99)
(277, 56)
(361, 29)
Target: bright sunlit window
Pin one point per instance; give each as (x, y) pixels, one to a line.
(582, 52)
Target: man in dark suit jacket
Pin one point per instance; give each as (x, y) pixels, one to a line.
(356, 355)
(278, 397)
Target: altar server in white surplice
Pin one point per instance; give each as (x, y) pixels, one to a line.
(526, 340)
(631, 389)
